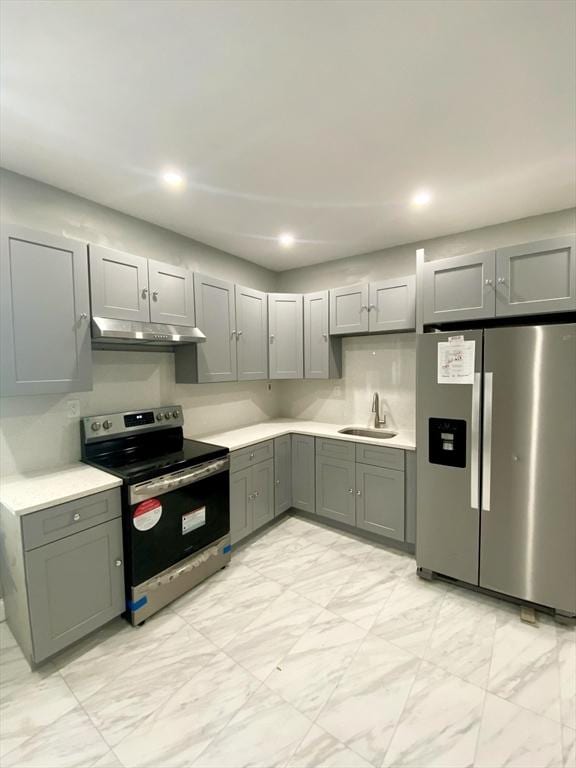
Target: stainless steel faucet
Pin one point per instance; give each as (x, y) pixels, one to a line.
(378, 422)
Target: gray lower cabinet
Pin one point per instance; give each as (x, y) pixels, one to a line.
(392, 305)
(171, 294)
(45, 343)
(459, 288)
(251, 499)
(119, 284)
(303, 473)
(335, 489)
(63, 572)
(282, 474)
(349, 309)
(251, 334)
(286, 339)
(536, 277)
(322, 352)
(380, 501)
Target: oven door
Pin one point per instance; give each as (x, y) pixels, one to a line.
(173, 516)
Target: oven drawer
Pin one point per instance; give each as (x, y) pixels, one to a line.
(254, 454)
(54, 523)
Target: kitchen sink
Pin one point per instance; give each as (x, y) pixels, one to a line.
(378, 434)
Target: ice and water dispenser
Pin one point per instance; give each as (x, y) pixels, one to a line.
(447, 442)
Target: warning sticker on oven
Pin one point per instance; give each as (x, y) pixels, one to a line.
(193, 520)
(147, 514)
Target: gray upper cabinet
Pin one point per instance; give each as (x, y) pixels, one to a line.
(459, 288)
(286, 353)
(349, 309)
(251, 334)
(45, 314)
(392, 305)
(322, 353)
(119, 284)
(282, 474)
(335, 489)
(75, 585)
(215, 316)
(171, 294)
(536, 277)
(380, 501)
(303, 473)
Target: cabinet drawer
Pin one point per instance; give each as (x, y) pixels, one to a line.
(53, 523)
(254, 454)
(335, 449)
(379, 456)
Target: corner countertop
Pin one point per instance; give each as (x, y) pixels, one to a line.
(31, 491)
(266, 430)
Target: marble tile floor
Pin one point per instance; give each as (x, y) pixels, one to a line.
(312, 648)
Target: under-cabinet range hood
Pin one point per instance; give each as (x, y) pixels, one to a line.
(127, 333)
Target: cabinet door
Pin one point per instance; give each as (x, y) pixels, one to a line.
(322, 353)
(263, 493)
(215, 316)
(45, 314)
(335, 492)
(303, 474)
(171, 294)
(118, 284)
(75, 585)
(349, 309)
(282, 474)
(393, 305)
(241, 523)
(536, 277)
(380, 501)
(460, 288)
(252, 334)
(286, 336)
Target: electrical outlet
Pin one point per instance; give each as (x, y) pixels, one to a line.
(73, 408)
(337, 391)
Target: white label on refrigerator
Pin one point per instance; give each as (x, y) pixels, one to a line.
(193, 520)
(456, 361)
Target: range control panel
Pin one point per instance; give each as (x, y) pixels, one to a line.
(131, 421)
(447, 442)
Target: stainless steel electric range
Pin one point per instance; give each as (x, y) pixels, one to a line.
(175, 502)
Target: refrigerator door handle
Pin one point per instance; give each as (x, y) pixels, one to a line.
(474, 443)
(487, 441)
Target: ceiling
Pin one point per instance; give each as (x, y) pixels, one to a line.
(321, 119)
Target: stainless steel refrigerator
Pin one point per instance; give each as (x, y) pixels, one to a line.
(496, 437)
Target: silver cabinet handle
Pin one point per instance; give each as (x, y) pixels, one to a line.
(76, 517)
(239, 333)
(488, 282)
(277, 482)
(83, 316)
(144, 293)
(475, 430)
(487, 441)
(371, 307)
(256, 494)
(350, 490)
(325, 336)
(272, 337)
(501, 280)
(251, 497)
(118, 563)
(251, 456)
(358, 493)
(364, 307)
(155, 295)
(233, 333)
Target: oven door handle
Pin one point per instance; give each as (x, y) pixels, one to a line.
(151, 488)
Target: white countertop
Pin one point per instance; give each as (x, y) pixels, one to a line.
(266, 430)
(32, 491)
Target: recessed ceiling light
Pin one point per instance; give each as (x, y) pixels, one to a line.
(173, 179)
(286, 240)
(421, 198)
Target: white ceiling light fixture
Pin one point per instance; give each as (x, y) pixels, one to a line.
(173, 179)
(421, 198)
(286, 240)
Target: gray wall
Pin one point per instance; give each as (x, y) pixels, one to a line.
(32, 204)
(401, 260)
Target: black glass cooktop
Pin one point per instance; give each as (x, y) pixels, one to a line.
(139, 462)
